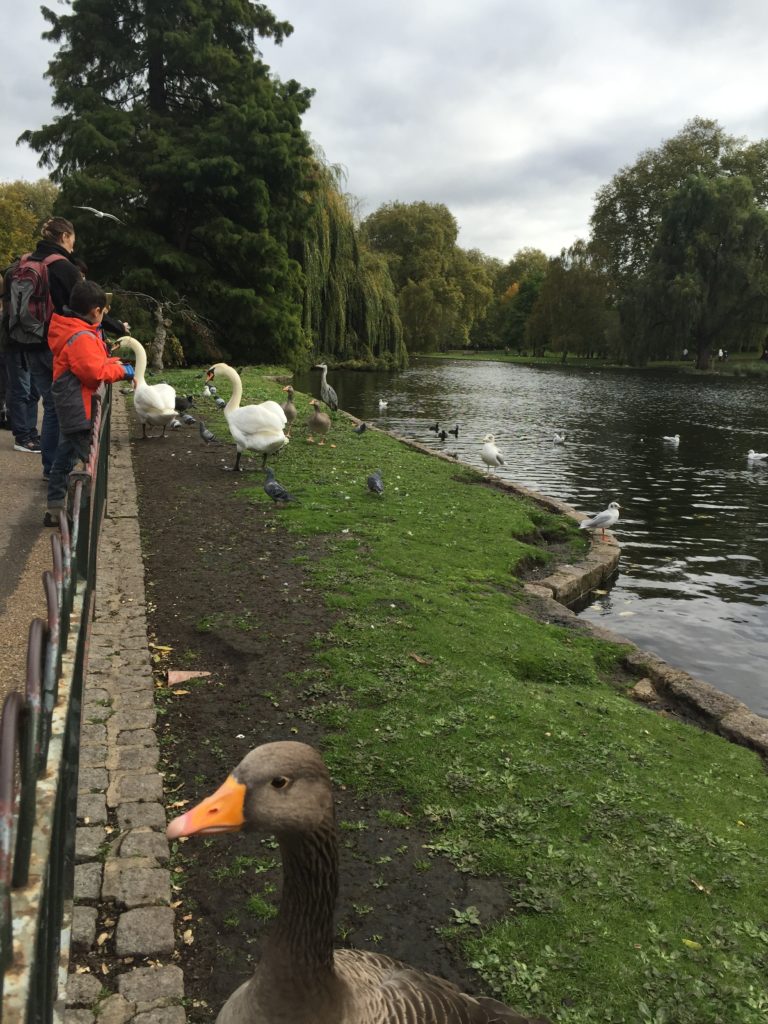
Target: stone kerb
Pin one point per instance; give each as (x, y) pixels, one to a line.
(122, 966)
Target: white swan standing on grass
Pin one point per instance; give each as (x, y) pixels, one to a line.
(490, 454)
(754, 456)
(256, 428)
(154, 404)
(603, 520)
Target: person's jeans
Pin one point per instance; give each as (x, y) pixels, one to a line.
(21, 397)
(40, 363)
(71, 448)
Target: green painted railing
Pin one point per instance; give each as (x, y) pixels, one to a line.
(39, 758)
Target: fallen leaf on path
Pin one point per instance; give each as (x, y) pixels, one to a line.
(418, 658)
(699, 886)
(180, 693)
(179, 676)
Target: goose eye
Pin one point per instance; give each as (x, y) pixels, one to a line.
(279, 782)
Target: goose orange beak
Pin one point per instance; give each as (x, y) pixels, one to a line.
(222, 812)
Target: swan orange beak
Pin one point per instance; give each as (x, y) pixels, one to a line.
(209, 375)
(222, 812)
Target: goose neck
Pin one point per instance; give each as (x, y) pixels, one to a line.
(302, 940)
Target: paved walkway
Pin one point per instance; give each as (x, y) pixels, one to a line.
(123, 938)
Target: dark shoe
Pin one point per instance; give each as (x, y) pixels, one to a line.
(46, 476)
(51, 519)
(28, 446)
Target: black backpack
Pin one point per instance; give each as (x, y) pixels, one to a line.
(30, 306)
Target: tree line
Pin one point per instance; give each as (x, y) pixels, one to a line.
(169, 118)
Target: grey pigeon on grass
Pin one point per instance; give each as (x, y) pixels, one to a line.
(361, 428)
(274, 489)
(188, 418)
(375, 483)
(220, 403)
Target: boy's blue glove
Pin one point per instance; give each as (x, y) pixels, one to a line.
(129, 371)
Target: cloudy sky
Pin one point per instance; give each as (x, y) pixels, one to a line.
(511, 112)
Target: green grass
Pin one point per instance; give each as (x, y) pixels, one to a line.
(633, 847)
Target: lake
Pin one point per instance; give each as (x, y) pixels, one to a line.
(693, 579)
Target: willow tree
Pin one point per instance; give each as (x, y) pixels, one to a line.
(170, 120)
(350, 308)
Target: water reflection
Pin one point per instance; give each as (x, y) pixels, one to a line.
(693, 585)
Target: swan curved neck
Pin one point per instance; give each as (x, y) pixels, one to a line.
(141, 361)
(237, 388)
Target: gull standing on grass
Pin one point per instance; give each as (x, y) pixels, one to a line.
(490, 454)
(603, 520)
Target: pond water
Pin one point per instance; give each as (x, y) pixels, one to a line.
(693, 579)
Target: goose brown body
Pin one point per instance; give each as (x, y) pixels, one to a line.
(284, 788)
(319, 422)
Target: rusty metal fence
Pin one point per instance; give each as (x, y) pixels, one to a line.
(39, 758)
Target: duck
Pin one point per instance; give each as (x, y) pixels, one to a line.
(490, 454)
(603, 520)
(455, 431)
(255, 428)
(327, 393)
(284, 789)
(154, 404)
(319, 422)
(289, 408)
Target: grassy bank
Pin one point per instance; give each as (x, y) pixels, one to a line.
(738, 365)
(632, 848)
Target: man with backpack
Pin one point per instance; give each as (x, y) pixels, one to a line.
(38, 285)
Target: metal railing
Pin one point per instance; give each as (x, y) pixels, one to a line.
(39, 757)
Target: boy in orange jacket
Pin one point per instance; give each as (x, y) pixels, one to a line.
(81, 363)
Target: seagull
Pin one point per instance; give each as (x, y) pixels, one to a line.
(455, 431)
(673, 439)
(206, 434)
(490, 454)
(754, 456)
(361, 428)
(188, 418)
(603, 520)
(382, 405)
(375, 483)
(275, 490)
(100, 213)
(559, 438)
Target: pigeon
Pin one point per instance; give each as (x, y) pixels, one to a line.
(455, 431)
(220, 403)
(188, 418)
(183, 403)
(435, 427)
(275, 490)
(100, 213)
(212, 390)
(602, 520)
(490, 454)
(375, 483)
(175, 424)
(206, 434)
(443, 435)
(361, 428)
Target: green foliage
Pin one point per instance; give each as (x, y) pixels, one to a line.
(350, 309)
(171, 121)
(516, 287)
(442, 290)
(24, 206)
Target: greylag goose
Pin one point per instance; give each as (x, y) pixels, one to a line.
(284, 789)
(327, 393)
(256, 428)
(603, 520)
(318, 423)
(154, 404)
(490, 454)
(289, 408)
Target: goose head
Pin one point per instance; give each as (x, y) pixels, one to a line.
(281, 788)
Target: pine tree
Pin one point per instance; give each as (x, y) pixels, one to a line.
(171, 121)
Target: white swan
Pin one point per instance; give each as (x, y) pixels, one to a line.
(255, 428)
(490, 454)
(153, 403)
(603, 520)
